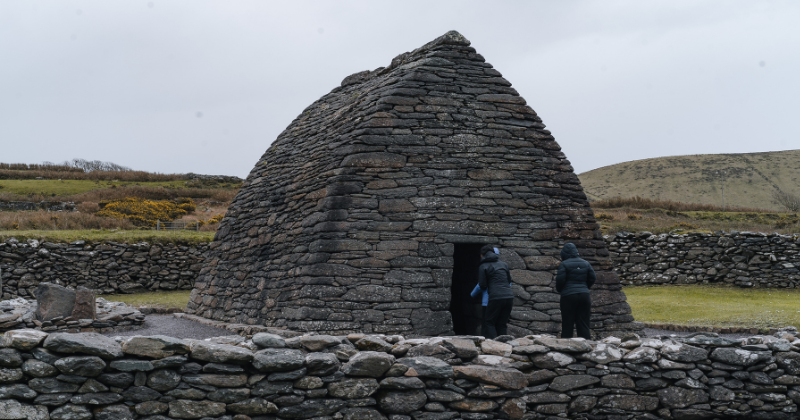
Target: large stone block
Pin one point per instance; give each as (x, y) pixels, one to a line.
(54, 301)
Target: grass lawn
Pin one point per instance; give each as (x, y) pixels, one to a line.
(176, 299)
(49, 187)
(181, 237)
(715, 306)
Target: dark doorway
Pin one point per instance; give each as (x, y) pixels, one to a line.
(466, 311)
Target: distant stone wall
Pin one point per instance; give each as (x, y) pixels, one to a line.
(42, 205)
(64, 376)
(744, 259)
(104, 267)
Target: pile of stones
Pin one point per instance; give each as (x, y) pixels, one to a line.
(58, 308)
(745, 259)
(107, 267)
(64, 376)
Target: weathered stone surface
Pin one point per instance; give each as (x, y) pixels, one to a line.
(552, 360)
(25, 339)
(81, 365)
(71, 412)
(362, 413)
(674, 397)
(568, 345)
(427, 367)
(10, 358)
(87, 343)
(12, 409)
(53, 301)
(463, 348)
(495, 347)
(372, 343)
(408, 382)
(115, 412)
(119, 380)
(321, 364)
(740, 357)
(253, 407)
(85, 305)
(278, 360)
(319, 342)
(503, 377)
(474, 405)
(311, 408)
(188, 409)
(155, 346)
(131, 365)
(430, 350)
(602, 353)
(683, 353)
(629, 402)
(38, 369)
(353, 388)
(140, 394)
(98, 398)
(219, 353)
(229, 395)
(618, 380)
(789, 361)
(17, 391)
(267, 340)
(51, 386)
(226, 381)
(401, 402)
(163, 380)
(641, 355)
(369, 363)
(570, 382)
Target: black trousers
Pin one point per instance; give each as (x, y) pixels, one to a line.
(575, 312)
(496, 317)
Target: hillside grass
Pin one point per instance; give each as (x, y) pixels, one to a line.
(715, 306)
(660, 221)
(66, 187)
(160, 299)
(750, 180)
(178, 237)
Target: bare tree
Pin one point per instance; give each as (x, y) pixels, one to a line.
(786, 200)
(96, 165)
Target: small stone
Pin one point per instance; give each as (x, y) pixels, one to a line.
(311, 408)
(38, 369)
(496, 348)
(24, 340)
(12, 409)
(155, 346)
(116, 379)
(267, 340)
(149, 408)
(10, 358)
(309, 382)
(402, 383)
(87, 343)
(253, 407)
(71, 412)
(278, 360)
(287, 376)
(567, 345)
(427, 367)
(321, 364)
(139, 394)
(85, 305)
(552, 360)
(401, 402)
(675, 397)
(319, 342)
(504, 377)
(369, 363)
(683, 353)
(92, 386)
(602, 353)
(372, 343)
(51, 386)
(430, 350)
(570, 382)
(353, 388)
(98, 398)
(474, 405)
(188, 409)
(16, 391)
(641, 355)
(8, 375)
(219, 353)
(463, 348)
(229, 395)
(163, 380)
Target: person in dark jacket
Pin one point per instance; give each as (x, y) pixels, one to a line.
(574, 279)
(495, 278)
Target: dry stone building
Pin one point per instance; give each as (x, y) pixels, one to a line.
(368, 212)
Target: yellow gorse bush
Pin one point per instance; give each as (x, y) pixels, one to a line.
(146, 212)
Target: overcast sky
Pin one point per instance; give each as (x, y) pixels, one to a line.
(206, 86)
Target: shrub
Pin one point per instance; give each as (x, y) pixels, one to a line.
(632, 216)
(144, 212)
(646, 203)
(88, 207)
(604, 216)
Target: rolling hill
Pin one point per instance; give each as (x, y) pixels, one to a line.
(750, 178)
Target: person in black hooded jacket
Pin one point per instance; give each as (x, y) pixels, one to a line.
(494, 276)
(574, 279)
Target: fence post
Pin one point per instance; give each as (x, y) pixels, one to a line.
(197, 225)
(158, 224)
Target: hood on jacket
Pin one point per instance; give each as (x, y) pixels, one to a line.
(569, 251)
(490, 257)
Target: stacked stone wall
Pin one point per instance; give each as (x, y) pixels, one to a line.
(106, 268)
(64, 376)
(41, 205)
(745, 259)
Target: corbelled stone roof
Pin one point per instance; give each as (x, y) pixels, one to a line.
(352, 220)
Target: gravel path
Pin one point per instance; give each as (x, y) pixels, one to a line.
(174, 327)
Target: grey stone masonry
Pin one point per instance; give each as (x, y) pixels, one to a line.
(270, 377)
(353, 218)
(745, 259)
(106, 268)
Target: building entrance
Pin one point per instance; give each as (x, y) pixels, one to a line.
(466, 311)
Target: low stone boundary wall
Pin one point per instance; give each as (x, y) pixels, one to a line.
(745, 259)
(107, 267)
(42, 205)
(64, 376)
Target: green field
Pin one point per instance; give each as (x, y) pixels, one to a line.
(50, 187)
(176, 299)
(750, 180)
(181, 237)
(715, 306)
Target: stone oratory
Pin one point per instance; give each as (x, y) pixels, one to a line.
(368, 212)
